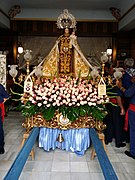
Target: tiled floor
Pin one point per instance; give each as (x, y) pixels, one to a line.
(58, 164)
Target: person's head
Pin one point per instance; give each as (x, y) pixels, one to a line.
(129, 62)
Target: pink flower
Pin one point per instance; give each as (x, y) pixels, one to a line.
(99, 102)
(64, 91)
(34, 102)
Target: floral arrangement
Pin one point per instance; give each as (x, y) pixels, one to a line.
(73, 97)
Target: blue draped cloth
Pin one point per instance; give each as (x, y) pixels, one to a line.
(75, 140)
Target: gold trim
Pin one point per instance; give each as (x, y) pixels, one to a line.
(39, 121)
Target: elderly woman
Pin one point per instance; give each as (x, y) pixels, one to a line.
(129, 72)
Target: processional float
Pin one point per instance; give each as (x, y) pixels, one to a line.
(64, 91)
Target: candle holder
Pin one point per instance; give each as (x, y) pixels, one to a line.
(104, 59)
(27, 57)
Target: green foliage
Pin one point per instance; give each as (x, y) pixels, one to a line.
(98, 113)
(48, 113)
(71, 112)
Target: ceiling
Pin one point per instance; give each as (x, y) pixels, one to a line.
(68, 4)
(81, 9)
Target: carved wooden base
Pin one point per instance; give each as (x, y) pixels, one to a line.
(57, 122)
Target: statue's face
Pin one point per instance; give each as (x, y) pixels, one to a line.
(67, 31)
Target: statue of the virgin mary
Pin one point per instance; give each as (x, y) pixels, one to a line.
(66, 57)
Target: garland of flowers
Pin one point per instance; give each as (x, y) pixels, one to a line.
(73, 97)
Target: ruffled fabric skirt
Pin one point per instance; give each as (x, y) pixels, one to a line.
(75, 140)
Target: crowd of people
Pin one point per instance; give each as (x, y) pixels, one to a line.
(120, 120)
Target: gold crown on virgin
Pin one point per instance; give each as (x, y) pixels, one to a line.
(66, 20)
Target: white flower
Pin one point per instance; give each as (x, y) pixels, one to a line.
(40, 98)
(68, 95)
(93, 99)
(81, 102)
(73, 96)
(49, 93)
(57, 92)
(43, 97)
(39, 104)
(37, 97)
(107, 100)
(58, 104)
(74, 100)
(50, 99)
(54, 95)
(99, 102)
(101, 96)
(55, 98)
(53, 91)
(57, 101)
(90, 103)
(54, 104)
(30, 98)
(81, 98)
(59, 98)
(33, 102)
(85, 102)
(64, 101)
(45, 102)
(76, 93)
(68, 99)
